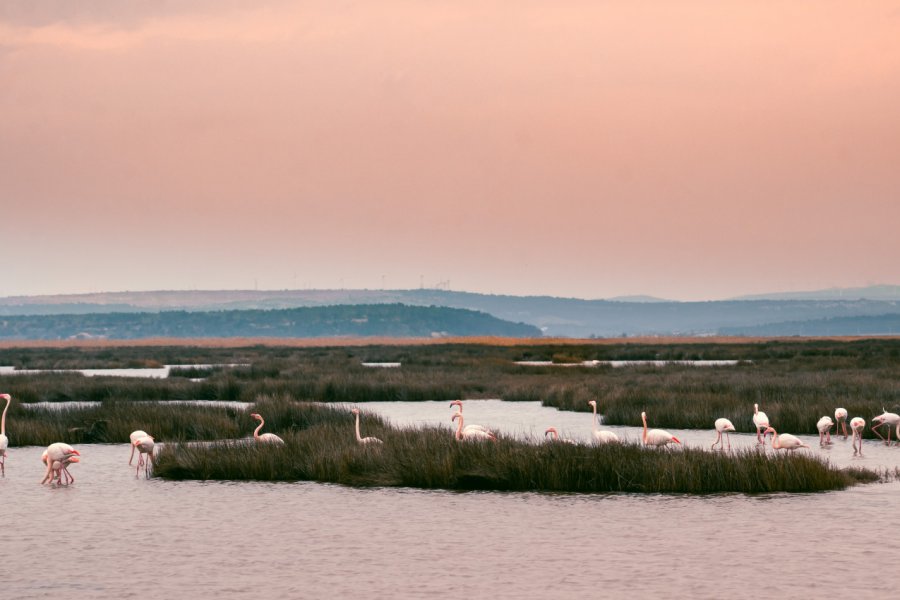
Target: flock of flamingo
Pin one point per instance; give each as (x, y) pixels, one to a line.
(58, 456)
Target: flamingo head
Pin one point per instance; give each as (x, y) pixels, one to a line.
(355, 411)
(551, 430)
(455, 415)
(593, 403)
(256, 416)
(456, 403)
(755, 408)
(768, 431)
(676, 440)
(5, 396)
(73, 459)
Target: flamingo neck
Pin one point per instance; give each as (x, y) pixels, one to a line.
(776, 442)
(358, 437)
(258, 427)
(459, 426)
(594, 406)
(3, 418)
(644, 436)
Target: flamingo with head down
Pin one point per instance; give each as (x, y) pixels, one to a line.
(601, 436)
(554, 436)
(657, 437)
(58, 457)
(840, 418)
(824, 426)
(725, 426)
(363, 440)
(4, 441)
(886, 420)
(857, 425)
(785, 441)
(144, 446)
(135, 436)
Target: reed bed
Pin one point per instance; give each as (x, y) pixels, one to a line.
(320, 446)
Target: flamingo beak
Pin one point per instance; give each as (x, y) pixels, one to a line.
(676, 440)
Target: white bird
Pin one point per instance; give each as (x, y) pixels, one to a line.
(266, 438)
(554, 436)
(601, 436)
(468, 433)
(4, 441)
(57, 457)
(144, 446)
(761, 420)
(857, 425)
(824, 426)
(657, 437)
(725, 426)
(840, 418)
(135, 436)
(459, 405)
(785, 441)
(886, 420)
(360, 439)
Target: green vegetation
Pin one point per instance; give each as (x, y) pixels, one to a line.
(794, 382)
(320, 446)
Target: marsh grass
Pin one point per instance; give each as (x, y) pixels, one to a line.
(320, 446)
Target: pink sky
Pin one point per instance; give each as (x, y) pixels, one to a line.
(689, 150)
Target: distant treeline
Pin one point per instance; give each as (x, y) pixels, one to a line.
(876, 325)
(391, 320)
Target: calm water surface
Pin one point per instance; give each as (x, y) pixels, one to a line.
(110, 534)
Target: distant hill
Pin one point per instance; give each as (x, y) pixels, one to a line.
(384, 320)
(567, 317)
(837, 326)
(872, 292)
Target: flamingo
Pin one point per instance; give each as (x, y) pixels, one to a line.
(761, 421)
(601, 436)
(57, 457)
(824, 426)
(554, 436)
(657, 437)
(135, 436)
(725, 426)
(266, 438)
(363, 440)
(886, 420)
(840, 417)
(469, 433)
(857, 424)
(785, 441)
(459, 405)
(4, 441)
(144, 446)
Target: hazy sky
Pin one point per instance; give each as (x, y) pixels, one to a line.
(689, 150)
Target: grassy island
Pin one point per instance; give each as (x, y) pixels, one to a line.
(320, 446)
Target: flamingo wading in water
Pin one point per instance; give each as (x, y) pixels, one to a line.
(886, 420)
(265, 438)
(57, 457)
(135, 436)
(761, 420)
(824, 426)
(785, 441)
(657, 437)
(725, 426)
(360, 439)
(601, 436)
(144, 446)
(469, 433)
(840, 418)
(857, 425)
(4, 441)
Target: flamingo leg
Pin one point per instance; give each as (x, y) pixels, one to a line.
(130, 458)
(718, 439)
(728, 437)
(3, 464)
(875, 431)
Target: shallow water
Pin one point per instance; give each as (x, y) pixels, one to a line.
(153, 373)
(110, 534)
(631, 363)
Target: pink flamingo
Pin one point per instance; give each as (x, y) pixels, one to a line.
(857, 425)
(785, 441)
(886, 420)
(135, 436)
(266, 438)
(554, 436)
(657, 437)
(144, 446)
(363, 440)
(840, 417)
(57, 457)
(761, 420)
(601, 436)
(459, 405)
(725, 426)
(824, 426)
(469, 433)
(4, 441)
